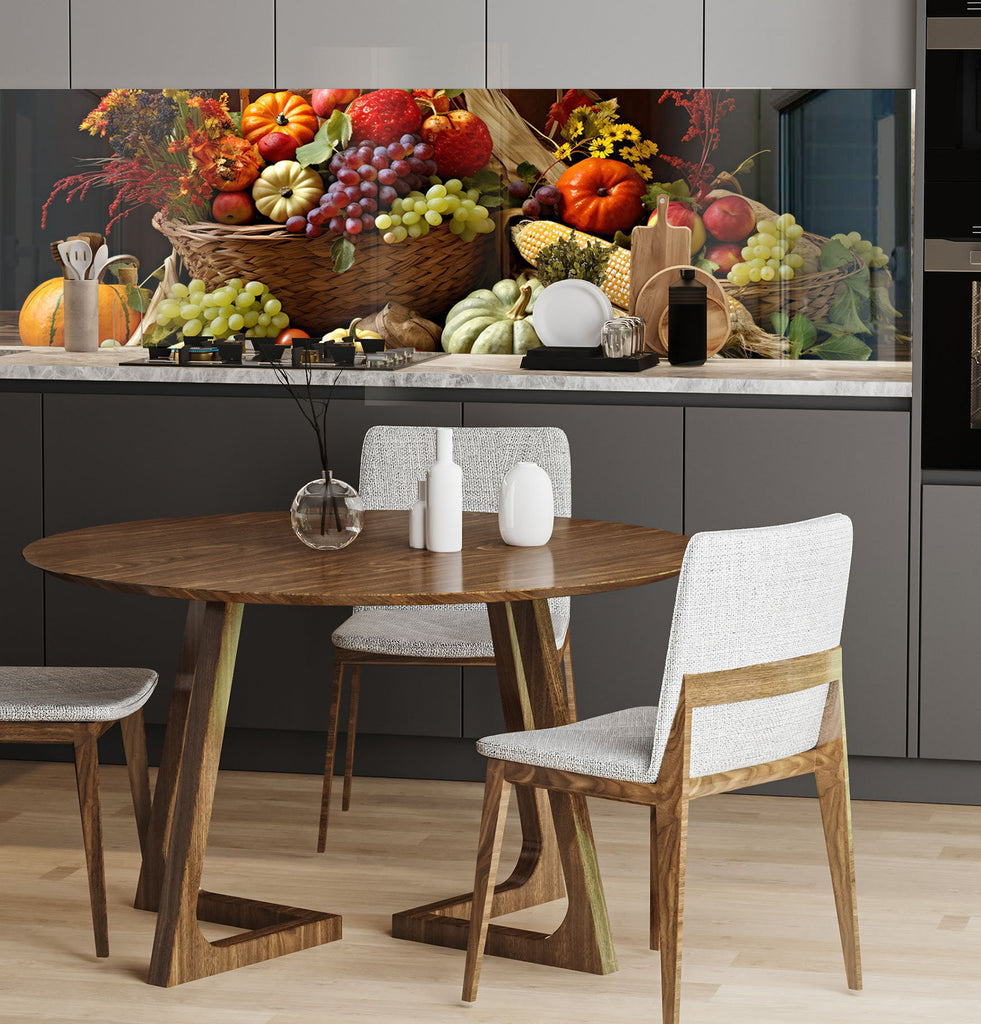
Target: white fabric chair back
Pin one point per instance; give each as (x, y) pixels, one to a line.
(393, 459)
(746, 597)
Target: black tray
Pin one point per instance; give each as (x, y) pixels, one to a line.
(560, 358)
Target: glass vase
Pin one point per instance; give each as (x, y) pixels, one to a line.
(327, 514)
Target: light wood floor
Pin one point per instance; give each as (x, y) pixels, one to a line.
(761, 944)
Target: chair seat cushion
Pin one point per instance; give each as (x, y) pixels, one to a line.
(614, 746)
(454, 631)
(55, 694)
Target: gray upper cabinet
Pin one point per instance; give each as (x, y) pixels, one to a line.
(34, 45)
(800, 44)
(425, 44)
(619, 44)
(180, 44)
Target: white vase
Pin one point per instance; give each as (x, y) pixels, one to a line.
(417, 518)
(444, 497)
(527, 509)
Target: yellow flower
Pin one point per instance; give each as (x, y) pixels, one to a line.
(563, 152)
(644, 171)
(601, 147)
(619, 132)
(648, 149)
(631, 154)
(630, 132)
(574, 126)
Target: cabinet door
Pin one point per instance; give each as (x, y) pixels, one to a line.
(950, 610)
(425, 44)
(798, 44)
(180, 44)
(620, 44)
(758, 467)
(21, 521)
(626, 466)
(113, 458)
(34, 46)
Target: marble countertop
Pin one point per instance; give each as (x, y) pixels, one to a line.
(717, 377)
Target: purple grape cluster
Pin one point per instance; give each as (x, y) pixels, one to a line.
(545, 201)
(367, 178)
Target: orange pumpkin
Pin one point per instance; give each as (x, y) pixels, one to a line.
(279, 112)
(601, 196)
(42, 317)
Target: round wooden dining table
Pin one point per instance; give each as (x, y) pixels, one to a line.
(220, 563)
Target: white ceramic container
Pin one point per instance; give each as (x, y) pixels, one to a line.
(444, 497)
(526, 513)
(81, 316)
(417, 519)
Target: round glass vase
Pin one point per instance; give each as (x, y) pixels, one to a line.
(327, 514)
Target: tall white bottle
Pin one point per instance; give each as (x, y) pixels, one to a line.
(444, 497)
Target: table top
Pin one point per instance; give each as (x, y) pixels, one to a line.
(255, 558)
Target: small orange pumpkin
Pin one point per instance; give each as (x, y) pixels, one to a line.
(601, 196)
(42, 317)
(279, 112)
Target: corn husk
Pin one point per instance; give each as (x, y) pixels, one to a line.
(402, 327)
(149, 317)
(747, 338)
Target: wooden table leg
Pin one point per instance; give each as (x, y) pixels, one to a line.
(532, 696)
(181, 815)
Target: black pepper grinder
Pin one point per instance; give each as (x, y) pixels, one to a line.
(687, 320)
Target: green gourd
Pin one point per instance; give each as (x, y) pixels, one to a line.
(494, 321)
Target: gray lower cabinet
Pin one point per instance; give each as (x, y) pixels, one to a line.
(112, 458)
(21, 521)
(626, 466)
(757, 467)
(950, 610)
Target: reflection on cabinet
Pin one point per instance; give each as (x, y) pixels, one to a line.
(758, 467)
(210, 455)
(180, 44)
(798, 44)
(423, 44)
(621, 44)
(626, 466)
(950, 603)
(34, 46)
(21, 585)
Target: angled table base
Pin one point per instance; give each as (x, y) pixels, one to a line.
(557, 855)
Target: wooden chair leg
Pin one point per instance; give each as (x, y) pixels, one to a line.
(352, 728)
(87, 778)
(497, 792)
(655, 917)
(836, 814)
(570, 685)
(134, 744)
(334, 714)
(671, 840)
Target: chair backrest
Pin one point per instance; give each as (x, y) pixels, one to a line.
(393, 459)
(746, 597)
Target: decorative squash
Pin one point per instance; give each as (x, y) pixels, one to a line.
(42, 317)
(279, 112)
(287, 189)
(601, 196)
(494, 321)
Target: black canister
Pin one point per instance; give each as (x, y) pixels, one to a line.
(687, 320)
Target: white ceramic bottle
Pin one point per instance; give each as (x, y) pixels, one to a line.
(417, 519)
(444, 497)
(526, 512)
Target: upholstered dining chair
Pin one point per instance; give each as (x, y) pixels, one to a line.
(393, 459)
(78, 705)
(751, 693)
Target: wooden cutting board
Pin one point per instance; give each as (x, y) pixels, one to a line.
(652, 305)
(654, 248)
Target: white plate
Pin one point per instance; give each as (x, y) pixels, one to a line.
(571, 314)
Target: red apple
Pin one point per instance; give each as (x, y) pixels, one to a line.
(326, 101)
(730, 219)
(681, 215)
(726, 254)
(233, 208)
(276, 146)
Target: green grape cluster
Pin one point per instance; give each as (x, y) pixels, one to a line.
(412, 216)
(871, 254)
(769, 254)
(236, 307)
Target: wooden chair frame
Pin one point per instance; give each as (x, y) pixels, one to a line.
(669, 798)
(343, 658)
(84, 737)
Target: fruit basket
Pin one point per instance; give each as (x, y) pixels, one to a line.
(427, 274)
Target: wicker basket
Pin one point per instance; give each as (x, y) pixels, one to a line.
(428, 274)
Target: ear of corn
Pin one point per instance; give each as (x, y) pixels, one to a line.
(531, 236)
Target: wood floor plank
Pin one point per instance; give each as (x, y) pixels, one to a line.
(757, 869)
